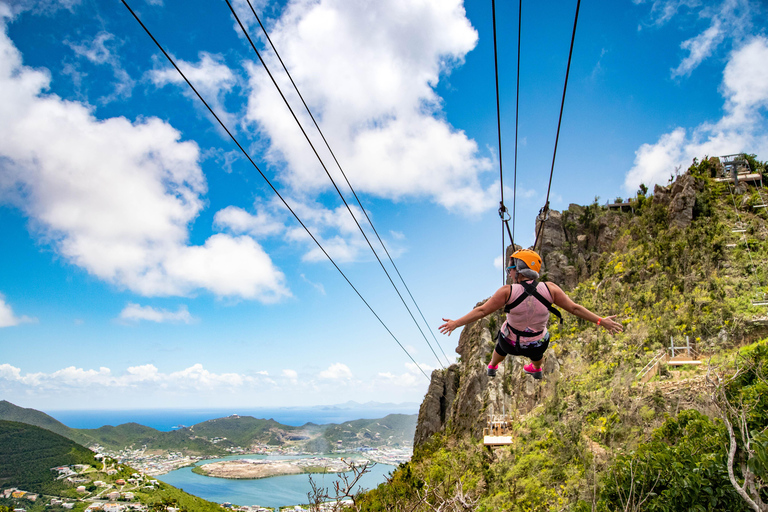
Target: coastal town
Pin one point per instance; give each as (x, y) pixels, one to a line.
(151, 463)
(118, 493)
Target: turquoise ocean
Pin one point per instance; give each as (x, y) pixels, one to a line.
(168, 419)
(279, 491)
(276, 491)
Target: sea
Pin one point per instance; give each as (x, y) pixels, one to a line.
(170, 419)
(276, 491)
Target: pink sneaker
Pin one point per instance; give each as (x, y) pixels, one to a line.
(492, 370)
(531, 370)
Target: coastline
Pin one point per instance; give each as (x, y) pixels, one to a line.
(253, 469)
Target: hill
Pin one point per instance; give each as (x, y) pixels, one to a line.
(27, 454)
(222, 436)
(11, 412)
(598, 433)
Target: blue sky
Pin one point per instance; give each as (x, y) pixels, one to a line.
(146, 264)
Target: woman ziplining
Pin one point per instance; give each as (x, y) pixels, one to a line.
(527, 304)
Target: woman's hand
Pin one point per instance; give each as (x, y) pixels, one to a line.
(448, 327)
(610, 325)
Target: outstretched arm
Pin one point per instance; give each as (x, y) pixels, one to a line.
(494, 303)
(560, 298)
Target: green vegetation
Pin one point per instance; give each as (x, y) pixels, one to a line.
(27, 454)
(598, 440)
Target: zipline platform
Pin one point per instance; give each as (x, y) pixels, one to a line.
(498, 432)
(754, 177)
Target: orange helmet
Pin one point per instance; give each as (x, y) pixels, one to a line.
(530, 258)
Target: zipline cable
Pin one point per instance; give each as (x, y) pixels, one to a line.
(248, 156)
(306, 136)
(543, 213)
(517, 113)
(502, 207)
(327, 145)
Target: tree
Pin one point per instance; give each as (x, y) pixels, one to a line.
(344, 489)
(741, 403)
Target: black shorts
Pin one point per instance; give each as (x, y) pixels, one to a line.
(534, 351)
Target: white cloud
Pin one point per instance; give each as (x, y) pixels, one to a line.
(412, 377)
(337, 372)
(368, 72)
(335, 229)
(135, 312)
(104, 50)
(147, 376)
(741, 129)
(239, 221)
(700, 47)
(291, 375)
(210, 76)
(8, 318)
(729, 21)
(116, 198)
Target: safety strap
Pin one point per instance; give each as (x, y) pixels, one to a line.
(530, 290)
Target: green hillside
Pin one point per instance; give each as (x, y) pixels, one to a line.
(243, 430)
(592, 436)
(393, 430)
(11, 412)
(214, 437)
(27, 454)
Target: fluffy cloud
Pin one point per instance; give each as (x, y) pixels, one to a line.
(115, 197)
(367, 70)
(338, 372)
(412, 377)
(742, 127)
(334, 228)
(136, 313)
(8, 318)
(240, 221)
(195, 377)
(211, 77)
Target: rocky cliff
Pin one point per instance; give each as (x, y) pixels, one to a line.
(462, 397)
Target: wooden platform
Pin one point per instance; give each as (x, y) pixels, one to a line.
(497, 440)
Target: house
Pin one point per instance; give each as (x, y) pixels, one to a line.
(114, 495)
(128, 496)
(68, 505)
(18, 494)
(81, 488)
(112, 507)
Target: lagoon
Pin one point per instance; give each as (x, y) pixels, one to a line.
(277, 491)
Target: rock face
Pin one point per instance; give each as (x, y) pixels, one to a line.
(679, 198)
(462, 397)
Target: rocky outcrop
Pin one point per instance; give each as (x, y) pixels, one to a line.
(461, 397)
(679, 198)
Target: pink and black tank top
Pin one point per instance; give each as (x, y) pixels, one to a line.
(530, 316)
